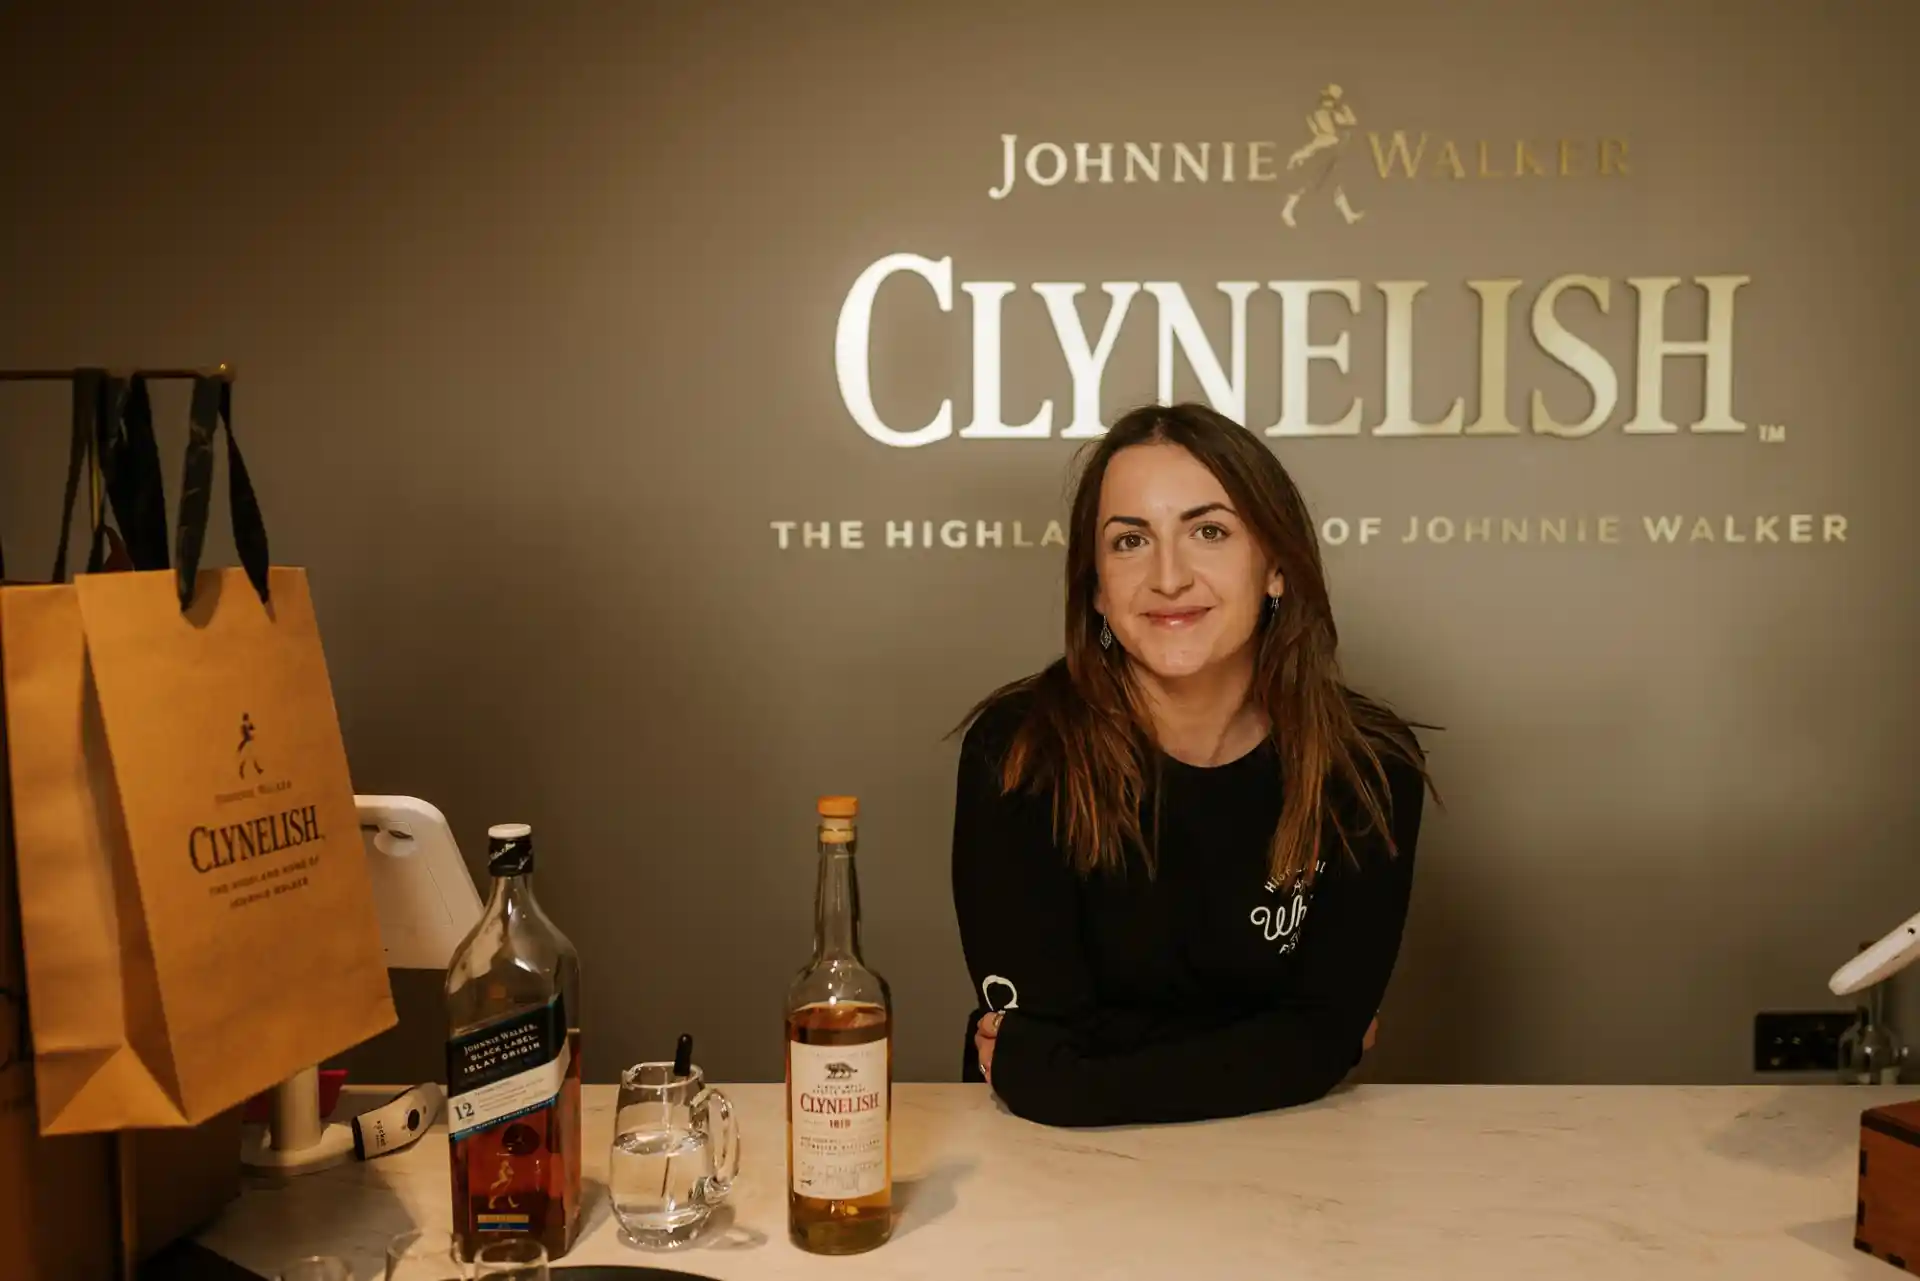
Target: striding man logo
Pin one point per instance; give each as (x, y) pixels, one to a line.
(248, 758)
(1330, 128)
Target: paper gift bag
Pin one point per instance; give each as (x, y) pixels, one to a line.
(196, 910)
(87, 1207)
(55, 1212)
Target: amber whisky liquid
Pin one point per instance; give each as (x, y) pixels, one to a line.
(839, 1127)
(523, 1178)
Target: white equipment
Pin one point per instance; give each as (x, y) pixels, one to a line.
(1899, 949)
(427, 904)
(421, 885)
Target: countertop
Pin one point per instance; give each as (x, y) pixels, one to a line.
(1374, 1182)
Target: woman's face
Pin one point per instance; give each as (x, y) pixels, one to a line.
(1182, 582)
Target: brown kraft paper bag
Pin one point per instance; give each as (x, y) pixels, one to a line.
(198, 918)
(56, 1207)
(197, 915)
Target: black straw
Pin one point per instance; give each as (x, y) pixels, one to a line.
(683, 1056)
(682, 1064)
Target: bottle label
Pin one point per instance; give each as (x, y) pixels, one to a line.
(838, 1094)
(506, 1069)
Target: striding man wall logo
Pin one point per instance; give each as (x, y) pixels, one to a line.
(1331, 126)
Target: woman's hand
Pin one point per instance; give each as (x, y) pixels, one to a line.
(984, 1036)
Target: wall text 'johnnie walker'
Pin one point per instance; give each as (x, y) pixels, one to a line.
(1224, 381)
(1396, 154)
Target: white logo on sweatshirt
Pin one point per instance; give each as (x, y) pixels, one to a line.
(1280, 922)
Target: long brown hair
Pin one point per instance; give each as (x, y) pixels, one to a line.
(1085, 737)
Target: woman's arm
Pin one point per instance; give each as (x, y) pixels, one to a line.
(1018, 906)
(1293, 1052)
(1013, 894)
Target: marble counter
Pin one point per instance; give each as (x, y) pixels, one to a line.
(1376, 1182)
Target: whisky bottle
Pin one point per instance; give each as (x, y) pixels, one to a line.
(839, 1067)
(513, 1064)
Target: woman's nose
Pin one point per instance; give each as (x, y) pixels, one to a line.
(1169, 569)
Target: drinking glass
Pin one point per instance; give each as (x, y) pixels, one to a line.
(676, 1151)
(316, 1267)
(1871, 1051)
(518, 1259)
(424, 1256)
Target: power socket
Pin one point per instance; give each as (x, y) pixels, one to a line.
(1804, 1041)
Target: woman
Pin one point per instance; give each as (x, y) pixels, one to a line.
(1182, 853)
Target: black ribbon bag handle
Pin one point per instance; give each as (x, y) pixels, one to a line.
(88, 385)
(112, 438)
(212, 409)
(130, 458)
(114, 452)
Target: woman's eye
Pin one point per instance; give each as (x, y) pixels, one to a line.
(1212, 533)
(1126, 542)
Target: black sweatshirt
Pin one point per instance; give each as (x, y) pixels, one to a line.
(1205, 991)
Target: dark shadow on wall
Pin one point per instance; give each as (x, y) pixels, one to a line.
(1445, 988)
(414, 1050)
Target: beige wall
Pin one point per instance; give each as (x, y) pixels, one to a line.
(535, 312)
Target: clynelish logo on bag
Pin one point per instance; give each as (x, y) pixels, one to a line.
(212, 847)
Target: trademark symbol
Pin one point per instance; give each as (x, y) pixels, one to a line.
(1772, 433)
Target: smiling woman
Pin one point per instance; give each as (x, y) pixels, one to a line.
(1182, 852)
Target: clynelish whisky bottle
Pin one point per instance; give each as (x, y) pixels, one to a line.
(513, 1064)
(839, 1067)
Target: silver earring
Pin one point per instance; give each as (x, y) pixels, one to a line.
(1106, 635)
(1273, 606)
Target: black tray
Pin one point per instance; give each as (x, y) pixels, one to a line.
(191, 1261)
(622, 1272)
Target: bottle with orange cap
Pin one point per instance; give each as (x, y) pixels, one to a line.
(839, 1066)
